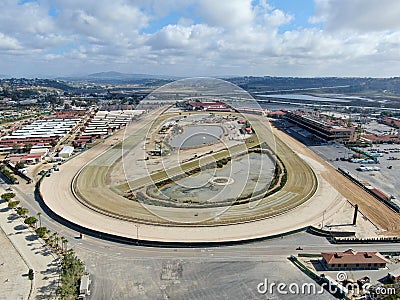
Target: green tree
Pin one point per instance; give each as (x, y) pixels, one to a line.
(27, 147)
(41, 231)
(50, 240)
(30, 221)
(13, 204)
(57, 239)
(7, 196)
(64, 242)
(22, 211)
(31, 274)
(19, 165)
(16, 147)
(8, 174)
(72, 270)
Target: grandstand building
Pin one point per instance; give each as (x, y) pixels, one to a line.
(320, 128)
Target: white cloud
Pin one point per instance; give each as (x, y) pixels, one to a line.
(28, 25)
(192, 37)
(101, 21)
(209, 37)
(8, 43)
(227, 13)
(360, 15)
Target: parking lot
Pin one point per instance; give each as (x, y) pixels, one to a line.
(337, 155)
(386, 179)
(378, 128)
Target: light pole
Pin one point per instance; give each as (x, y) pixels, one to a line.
(137, 234)
(40, 220)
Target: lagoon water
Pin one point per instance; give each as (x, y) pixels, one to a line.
(300, 97)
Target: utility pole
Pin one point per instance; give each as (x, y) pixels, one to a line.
(355, 214)
(137, 234)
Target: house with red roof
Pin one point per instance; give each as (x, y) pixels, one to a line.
(353, 260)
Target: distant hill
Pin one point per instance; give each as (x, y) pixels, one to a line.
(343, 85)
(117, 77)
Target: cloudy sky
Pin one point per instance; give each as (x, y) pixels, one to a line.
(200, 37)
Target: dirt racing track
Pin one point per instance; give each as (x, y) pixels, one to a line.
(91, 189)
(82, 194)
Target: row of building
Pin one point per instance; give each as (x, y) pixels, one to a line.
(104, 123)
(44, 132)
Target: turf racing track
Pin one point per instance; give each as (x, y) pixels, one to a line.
(85, 197)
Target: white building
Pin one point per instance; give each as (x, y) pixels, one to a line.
(66, 152)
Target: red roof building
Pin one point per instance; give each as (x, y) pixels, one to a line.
(394, 122)
(373, 138)
(25, 141)
(350, 260)
(214, 106)
(279, 114)
(28, 159)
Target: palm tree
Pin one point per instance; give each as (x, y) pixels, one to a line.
(53, 238)
(40, 220)
(57, 239)
(64, 242)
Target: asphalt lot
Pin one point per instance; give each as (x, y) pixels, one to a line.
(198, 273)
(234, 272)
(200, 279)
(386, 179)
(378, 128)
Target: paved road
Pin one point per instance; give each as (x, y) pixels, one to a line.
(121, 271)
